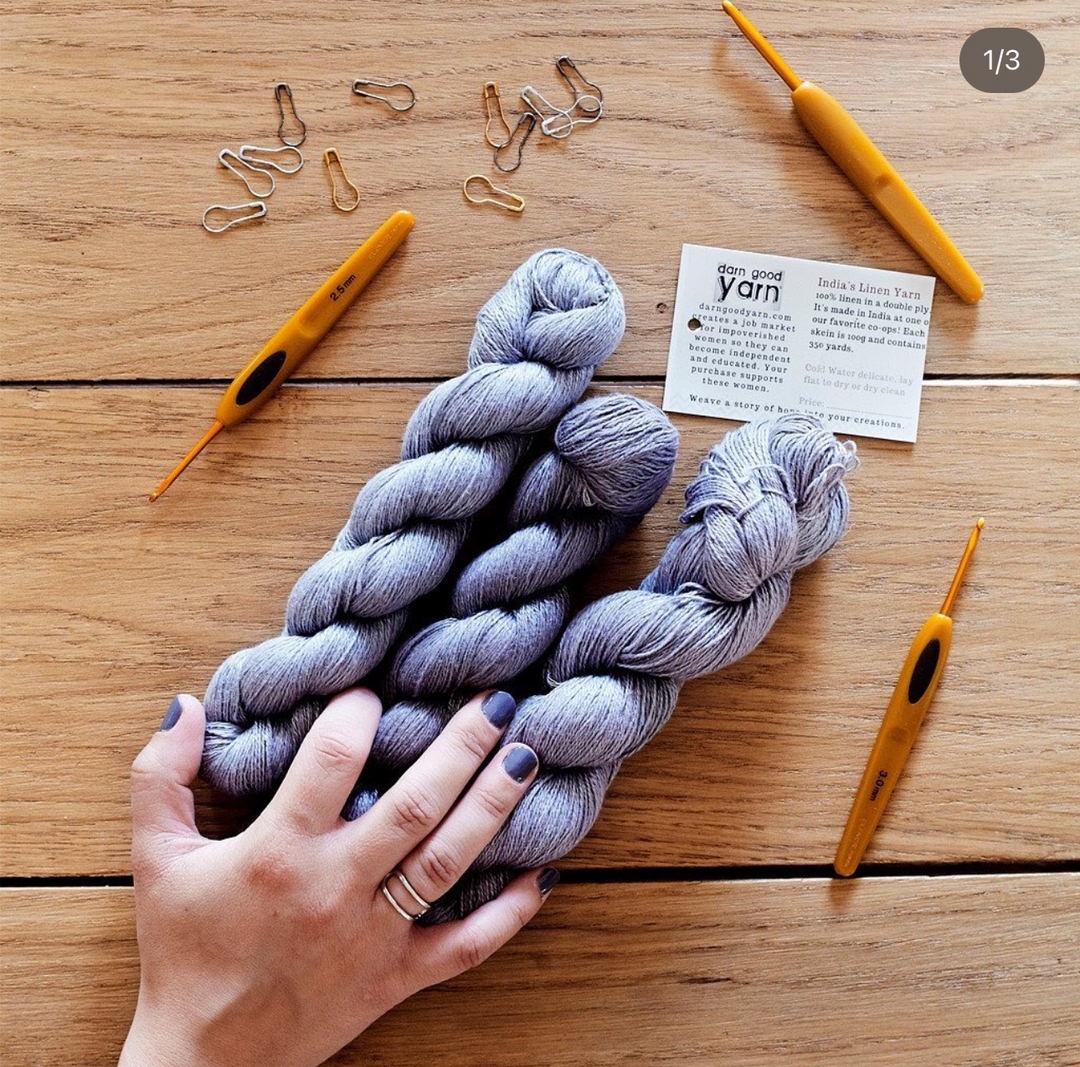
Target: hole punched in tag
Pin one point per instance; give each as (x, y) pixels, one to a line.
(358, 87)
(228, 159)
(250, 153)
(513, 202)
(494, 113)
(282, 89)
(331, 158)
(528, 120)
(255, 209)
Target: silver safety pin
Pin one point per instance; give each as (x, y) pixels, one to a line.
(224, 158)
(356, 88)
(561, 122)
(248, 155)
(257, 210)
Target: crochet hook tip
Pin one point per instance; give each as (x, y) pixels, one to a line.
(766, 50)
(961, 570)
(203, 442)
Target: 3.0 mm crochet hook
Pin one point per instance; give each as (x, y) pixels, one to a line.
(875, 177)
(910, 700)
(293, 343)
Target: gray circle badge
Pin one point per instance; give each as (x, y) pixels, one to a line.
(1002, 59)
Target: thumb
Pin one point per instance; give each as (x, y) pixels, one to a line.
(162, 804)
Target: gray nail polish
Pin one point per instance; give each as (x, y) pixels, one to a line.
(499, 707)
(547, 880)
(172, 716)
(519, 763)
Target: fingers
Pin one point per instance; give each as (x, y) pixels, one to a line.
(446, 951)
(328, 763)
(446, 854)
(162, 803)
(422, 796)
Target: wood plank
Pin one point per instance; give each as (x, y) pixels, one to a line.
(957, 972)
(110, 606)
(114, 114)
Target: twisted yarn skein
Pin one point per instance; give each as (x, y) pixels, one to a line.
(768, 500)
(613, 457)
(536, 344)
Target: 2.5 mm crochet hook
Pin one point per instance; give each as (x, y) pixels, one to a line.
(293, 343)
(875, 177)
(910, 700)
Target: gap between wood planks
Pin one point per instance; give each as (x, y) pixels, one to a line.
(614, 875)
(617, 379)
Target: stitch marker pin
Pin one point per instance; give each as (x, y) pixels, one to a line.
(511, 202)
(283, 92)
(493, 112)
(292, 344)
(331, 158)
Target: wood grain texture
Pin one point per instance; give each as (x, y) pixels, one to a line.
(114, 114)
(110, 606)
(954, 972)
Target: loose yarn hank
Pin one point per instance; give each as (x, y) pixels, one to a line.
(536, 345)
(769, 499)
(613, 457)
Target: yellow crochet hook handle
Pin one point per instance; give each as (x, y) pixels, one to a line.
(910, 701)
(861, 160)
(294, 342)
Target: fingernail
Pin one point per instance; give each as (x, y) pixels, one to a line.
(548, 880)
(520, 762)
(499, 707)
(172, 716)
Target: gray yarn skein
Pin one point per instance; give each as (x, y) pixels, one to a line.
(613, 457)
(768, 500)
(536, 344)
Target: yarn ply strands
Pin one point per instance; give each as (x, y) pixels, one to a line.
(768, 500)
(536, 344)
(613, 457)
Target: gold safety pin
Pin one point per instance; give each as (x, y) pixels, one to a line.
(493, 111)
(330, 157)
(516, 204)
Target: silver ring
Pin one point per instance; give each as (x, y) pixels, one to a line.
(425, 907)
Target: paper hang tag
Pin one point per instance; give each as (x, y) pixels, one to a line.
(757, 335)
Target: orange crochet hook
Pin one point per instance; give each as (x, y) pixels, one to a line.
(910, 700)
(294, 342)
(859, 158)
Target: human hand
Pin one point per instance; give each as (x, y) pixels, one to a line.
(278, 946)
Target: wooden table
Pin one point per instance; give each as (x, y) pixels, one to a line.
(698, 923)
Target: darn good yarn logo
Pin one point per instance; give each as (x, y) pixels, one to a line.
(741, 286)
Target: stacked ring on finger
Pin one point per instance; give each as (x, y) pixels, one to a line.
(412, 916)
